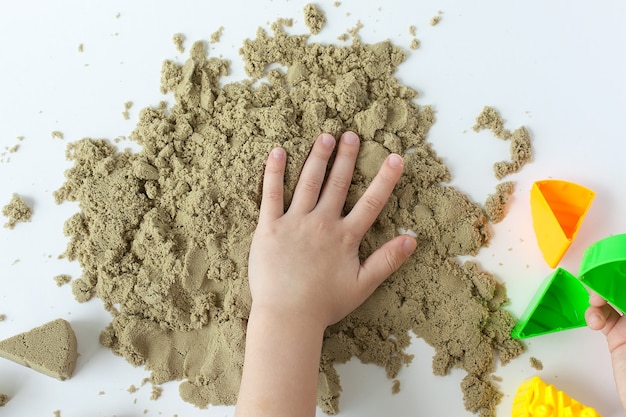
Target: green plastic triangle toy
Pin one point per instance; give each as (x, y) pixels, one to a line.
(559, 304)
(603, 270)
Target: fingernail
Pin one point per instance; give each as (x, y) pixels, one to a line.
(328, 140)
(594, 321)
(409, 245)
(350, 138)
(278, 153)
(395, 160)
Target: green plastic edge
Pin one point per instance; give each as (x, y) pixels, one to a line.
(558, 304)
(603, 270)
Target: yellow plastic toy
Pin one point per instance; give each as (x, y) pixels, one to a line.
(535, 398)
(558, 208)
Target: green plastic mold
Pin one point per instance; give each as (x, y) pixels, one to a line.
(603, 270)
(559, 304)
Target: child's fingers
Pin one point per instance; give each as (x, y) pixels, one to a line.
(610, 322)
(272, 203)
(596, 318)
(309, 185)
(333, 196)
(383, 262)
(602, 318)
(596, 301)
(371, 203)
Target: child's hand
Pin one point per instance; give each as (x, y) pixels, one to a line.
(305, 262)
(601, 316)
(305, 273)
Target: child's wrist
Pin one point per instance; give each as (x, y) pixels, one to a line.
(297, 321)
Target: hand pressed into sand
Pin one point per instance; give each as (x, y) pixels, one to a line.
(601, 316)
(305, 262)
(305, 272)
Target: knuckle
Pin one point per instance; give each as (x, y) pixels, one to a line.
(322, 228)
(311, 184)
(393, 261)
(273, 195)
(320, 153)
(372, 203)
(339, 183)
(387, 177)
(348, 152)
(274, 166)
(351, 238)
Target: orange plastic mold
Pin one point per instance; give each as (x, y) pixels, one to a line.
(558, 209)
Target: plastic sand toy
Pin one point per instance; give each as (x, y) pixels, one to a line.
(603, 269)
(535, 398)
(559, 304)
(558, 208)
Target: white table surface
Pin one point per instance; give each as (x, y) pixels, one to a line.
(556, 67)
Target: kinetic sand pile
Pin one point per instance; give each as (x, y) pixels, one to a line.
(163, 235)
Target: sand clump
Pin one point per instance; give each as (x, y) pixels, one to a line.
(179, 41)
(314, 18)
(16, 211)
(62, 279)
(434, 21)
(217, 35)
(497, 203)
(536, 364)
(50, 349)
(163, 234)
(5, 155)
(521, 148)
(127, 106)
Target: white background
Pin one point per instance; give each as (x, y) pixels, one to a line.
(556, 67)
